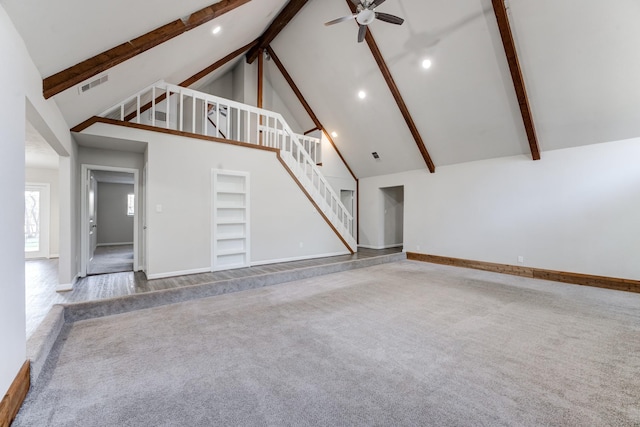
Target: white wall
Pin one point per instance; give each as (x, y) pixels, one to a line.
(51, 177)
(576, 210)
(179, 184)
(271, 101)
(222, 86)
(114, 225)
(22, 82)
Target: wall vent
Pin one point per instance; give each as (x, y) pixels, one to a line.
(85, 87)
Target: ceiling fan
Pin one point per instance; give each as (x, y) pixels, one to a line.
(366, 14)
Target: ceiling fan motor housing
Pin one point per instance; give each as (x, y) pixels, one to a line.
(366, 17)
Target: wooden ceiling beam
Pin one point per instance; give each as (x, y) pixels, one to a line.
(84, 70)
(516, 75)
(306, 105)
(284, 17)
(386, 73)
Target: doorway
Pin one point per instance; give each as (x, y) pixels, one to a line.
(36, 220)
(393, 217)
(109, 220)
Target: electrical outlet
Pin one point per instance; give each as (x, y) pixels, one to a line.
(417, 247)
(520, 259)
(301, 244)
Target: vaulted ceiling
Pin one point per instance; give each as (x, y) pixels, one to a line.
(579, 59)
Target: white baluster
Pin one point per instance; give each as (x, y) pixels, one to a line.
(181, 102)
(153, 106)
(138, 109)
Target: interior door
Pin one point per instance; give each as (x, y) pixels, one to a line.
(93, 221)
(36, 221)
(143, 206)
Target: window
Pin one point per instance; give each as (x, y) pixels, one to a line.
(131, 203)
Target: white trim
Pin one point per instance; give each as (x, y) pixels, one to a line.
(178, 273)
(54, 256)
(115, 244)
(396, 245)
(66, 287)
(299, 258)
(84, 223)
(45, 219)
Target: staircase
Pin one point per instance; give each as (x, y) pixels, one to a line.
(168, 106)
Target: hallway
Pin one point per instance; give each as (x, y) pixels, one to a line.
(111, 259)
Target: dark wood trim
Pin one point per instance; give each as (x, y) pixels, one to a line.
(285, 16)
(260, 79)
(284, 164)
(96, 119)
(12, 401)
(386, 73)
(535, 273)
(211, 68)
(80, 72)
(306, 105)
(311, 130)
(516, 75)
(82, 126)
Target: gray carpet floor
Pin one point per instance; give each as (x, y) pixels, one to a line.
(405, 343)
(111, 259)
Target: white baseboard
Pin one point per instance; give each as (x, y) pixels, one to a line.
(298, 258)
(66, 287)
(178, 273)
(115, 244)
(397, 245)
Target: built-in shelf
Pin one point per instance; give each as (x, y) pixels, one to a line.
(234, 252)
(230, 237)
(229, 222)
(230, 206)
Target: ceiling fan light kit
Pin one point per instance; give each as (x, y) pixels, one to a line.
(365, 15)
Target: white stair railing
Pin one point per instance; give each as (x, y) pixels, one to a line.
(174, 107)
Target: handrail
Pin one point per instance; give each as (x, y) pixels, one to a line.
(249, 124)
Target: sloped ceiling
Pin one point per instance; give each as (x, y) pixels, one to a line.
(88, 28)
(580, 62)
(464, 106)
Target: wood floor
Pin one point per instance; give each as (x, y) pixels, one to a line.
(41, 280)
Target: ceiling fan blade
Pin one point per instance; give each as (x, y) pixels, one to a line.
(361, 33)
(392, 19)
(376, 3)
(344, 18)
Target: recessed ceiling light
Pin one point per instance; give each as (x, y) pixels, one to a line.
(362, 94)
(334, 134)
(426, 64)
(216, 30)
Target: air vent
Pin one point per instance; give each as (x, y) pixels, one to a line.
(85, 87)
(161, 116)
